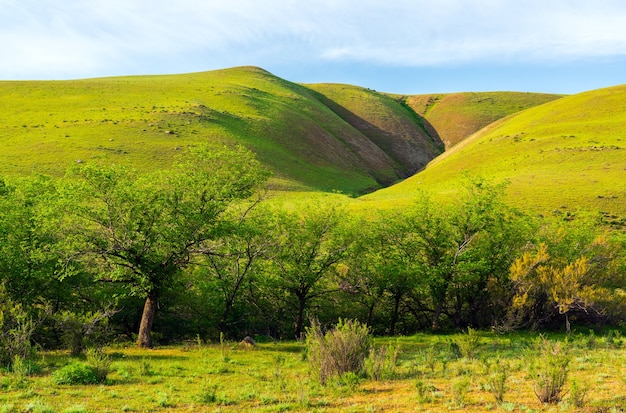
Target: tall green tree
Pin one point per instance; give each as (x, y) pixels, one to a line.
(142, 230)
(28, 234)
(309, 245)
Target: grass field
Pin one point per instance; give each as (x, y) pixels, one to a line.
(275, 377)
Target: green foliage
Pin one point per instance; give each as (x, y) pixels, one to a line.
(77, 373)
(16, 330)
(340, 350)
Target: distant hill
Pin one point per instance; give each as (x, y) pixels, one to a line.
(304, 136)
(455, 116)
(563, 155)
(313, 137)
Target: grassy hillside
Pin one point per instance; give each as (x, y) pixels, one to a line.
(391, 126)
(453, 117)
(564, 155)
(142, 121)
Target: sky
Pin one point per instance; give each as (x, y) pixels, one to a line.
(398, 46)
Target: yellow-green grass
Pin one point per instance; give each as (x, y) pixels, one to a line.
(455, 116)
(563, 155)
(276, 377)
(142, 121)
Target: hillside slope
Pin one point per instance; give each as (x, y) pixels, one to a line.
(143, 120)
(391, 126)
(455, 116)
(560, 156)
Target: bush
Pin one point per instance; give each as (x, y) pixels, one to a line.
(77, 373)
(16, 330)
(550, 372)
(338, 351)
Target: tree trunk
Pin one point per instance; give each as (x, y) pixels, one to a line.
(394, 315)
(300, 317)
(437, 314)
(144, 339)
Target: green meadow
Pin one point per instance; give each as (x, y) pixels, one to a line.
(428, 374)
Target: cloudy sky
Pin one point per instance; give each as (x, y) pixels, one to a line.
(403, 46)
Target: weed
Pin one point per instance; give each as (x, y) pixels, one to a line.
(468, 343)
(144, 368)
(578, 394)
(76, 409)
(460, 388)
(424, 391)
(550, 372)
(348, 382)
(8, 408)
(100, 362)
(37, 406)
(496, 381)
(163, 399)
(381, 362)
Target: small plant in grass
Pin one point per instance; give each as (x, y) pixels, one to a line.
(425, 391)
(348, 381)
(75, 409)
(578, 394)
(429, 357)
(460, 388)
(8, 408)
(468, 343)
(340, 350)
(20, 371)
(224, 348)
(381, 362)
(144, 368)
(549, 372)
(37, 406)
(100, 362)
(496, 381)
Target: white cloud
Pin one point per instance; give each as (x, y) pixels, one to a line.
(74, 38)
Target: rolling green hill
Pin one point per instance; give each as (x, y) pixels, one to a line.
(142, 121)
(560, 156)
(455, 116)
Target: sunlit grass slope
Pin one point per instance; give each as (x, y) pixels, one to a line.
(564, 155)
(455, 116)
(142, 121)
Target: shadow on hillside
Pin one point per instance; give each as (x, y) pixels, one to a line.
(407, 155)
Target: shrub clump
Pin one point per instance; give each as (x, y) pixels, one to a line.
(76, 373)
(94, 371)
(550, 372)
(340, 350)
